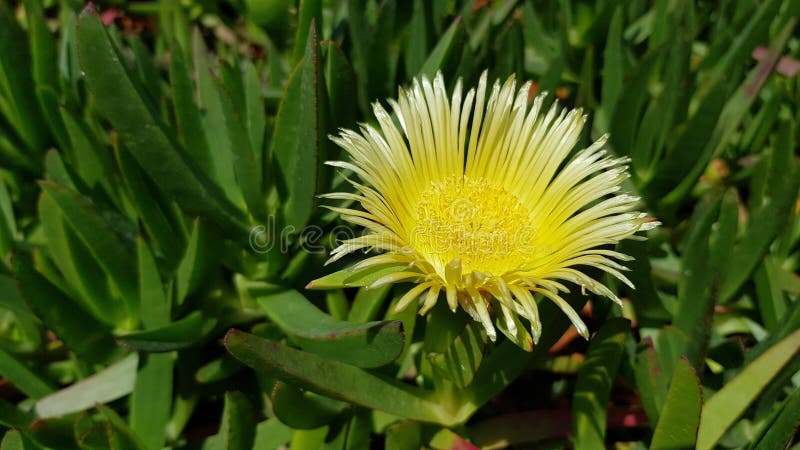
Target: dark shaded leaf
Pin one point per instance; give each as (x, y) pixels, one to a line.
(303, 409)
(593, 387)
(80, 331)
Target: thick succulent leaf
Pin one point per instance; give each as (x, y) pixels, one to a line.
(237, 431)
(733, 113)
(368, 303)
(782, 428)
(680, 417)
(593, 387)
(29, 325)
(84, 334)
(8, 226)
(43, 62)
(463, 357)
(790, 323)
(704, 269)
(310, 16)
(87, 157)
(651, 383)
(355, 278)
(232, 159)
(106, 430)
(367, 345)
(118, 98)
(151, 399)
(111, 383)
(342, 86)
(612, 72)
(271, 433)
(13, 416)
(771, 300)
(254, 118)
(18, 103)
(770, 208)
(334, 379)
(724, 407)
(416, 48)
(374, 58)
(22, 377)
(187, 113)
(218, 369)
(14, 440)
(154, 303)
(445, 439)
(405, 435)
(447, 46)
(158, 215)
(337, 304)
(152, 392)
(408, 317)
(299, 142)
(198, 260)
(303, 410)
(80, 275)
(104, 243)
(309, 439)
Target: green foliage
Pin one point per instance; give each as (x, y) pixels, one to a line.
(677, 426)
(159, 161)
(593, 386)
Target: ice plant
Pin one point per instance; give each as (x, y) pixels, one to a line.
(478, 200)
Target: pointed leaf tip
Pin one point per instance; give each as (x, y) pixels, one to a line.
(89, 10)
(228, 335)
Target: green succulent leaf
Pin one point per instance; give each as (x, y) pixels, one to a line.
(84, 334)
(447, 45)
(22, 377)
(104, 243)
(111, 383)
(14, 440)
(355, 277)
(593, 387)
(237, 431)
(119, 99)
(334, 379)
(724, 407)
(371, 344)
(680, 417)
(782, 428)
(299, 142)
(303, 410)
(463, 357)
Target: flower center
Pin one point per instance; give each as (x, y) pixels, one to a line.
(483, 225)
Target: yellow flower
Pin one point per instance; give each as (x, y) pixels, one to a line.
(480, 201)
